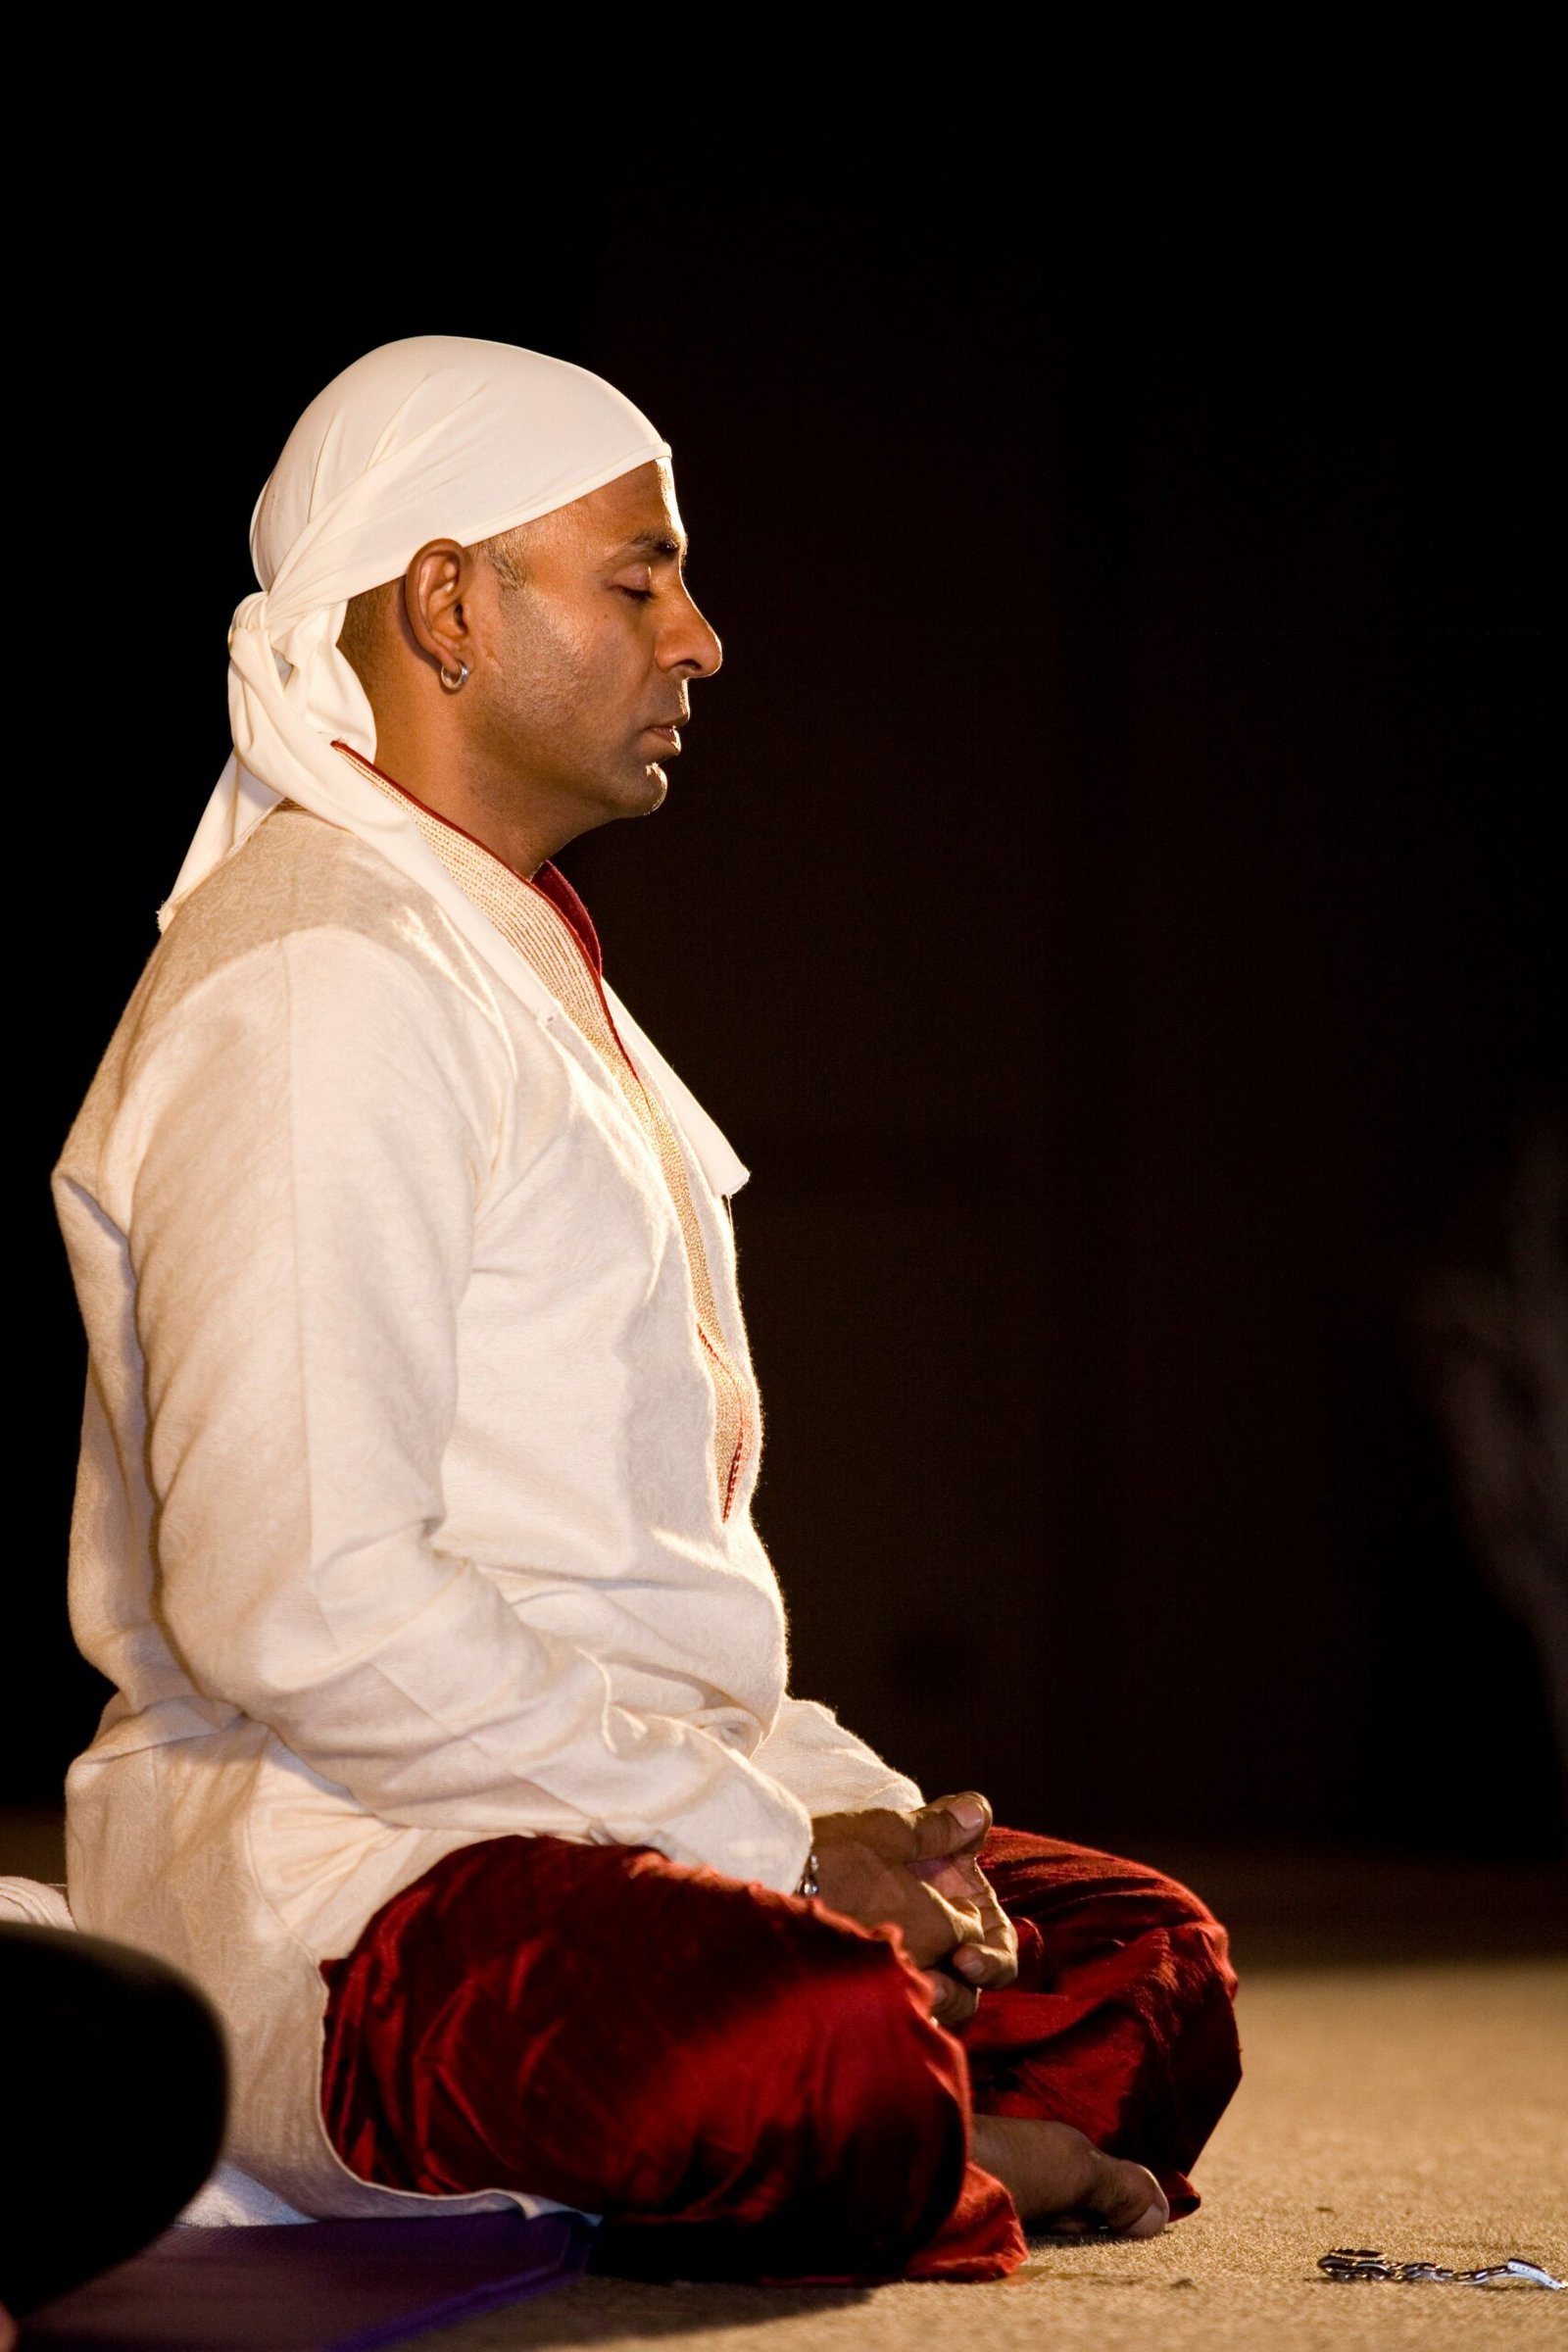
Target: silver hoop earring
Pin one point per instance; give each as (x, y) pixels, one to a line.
(454, 685)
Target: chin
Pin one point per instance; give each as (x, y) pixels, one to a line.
(636, 792)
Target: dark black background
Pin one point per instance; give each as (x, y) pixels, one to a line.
(1108, 900)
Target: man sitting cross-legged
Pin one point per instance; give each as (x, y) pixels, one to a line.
(452, 1752)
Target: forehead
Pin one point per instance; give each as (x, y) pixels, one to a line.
(635, 505)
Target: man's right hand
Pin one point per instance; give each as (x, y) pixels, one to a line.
(862, 1869)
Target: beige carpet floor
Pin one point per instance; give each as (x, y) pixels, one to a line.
(1423, 2110)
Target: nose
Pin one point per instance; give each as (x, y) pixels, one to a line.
(690, 643)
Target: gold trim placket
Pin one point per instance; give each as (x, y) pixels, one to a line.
(540, 933)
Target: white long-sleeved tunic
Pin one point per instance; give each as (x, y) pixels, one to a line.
(396, 1523)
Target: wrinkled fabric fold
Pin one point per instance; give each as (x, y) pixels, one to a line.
(744, 2085)
(1123, 2019)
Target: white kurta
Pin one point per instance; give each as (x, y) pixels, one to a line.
(397, 1524)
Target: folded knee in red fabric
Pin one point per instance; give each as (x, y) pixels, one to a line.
(699, 2060)
(749, 2086)
(1121, 2022)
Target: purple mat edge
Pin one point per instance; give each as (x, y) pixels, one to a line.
(163, 2299)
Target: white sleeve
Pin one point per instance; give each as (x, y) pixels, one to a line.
(809, 1752)
(303, 1152)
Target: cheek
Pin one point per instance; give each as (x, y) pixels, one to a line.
(575, 679)
(616, 646)
(599, 653)
(549, 671)
(610, 665)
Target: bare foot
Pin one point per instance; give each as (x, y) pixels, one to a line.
(1060, 2180)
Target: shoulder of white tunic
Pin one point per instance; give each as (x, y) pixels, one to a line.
(299, 879)
(299, 874)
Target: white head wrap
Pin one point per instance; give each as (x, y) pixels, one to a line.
(436, 437)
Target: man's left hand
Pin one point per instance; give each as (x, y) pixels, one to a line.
(993, 1961)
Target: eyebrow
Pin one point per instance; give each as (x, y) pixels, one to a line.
(661, 543)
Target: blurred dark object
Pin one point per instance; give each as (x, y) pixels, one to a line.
(115, 2091)
(1493, 1327)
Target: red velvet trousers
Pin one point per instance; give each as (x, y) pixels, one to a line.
(746, 2085)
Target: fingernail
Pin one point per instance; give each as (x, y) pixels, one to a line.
(969, 1811)
(971, 1964)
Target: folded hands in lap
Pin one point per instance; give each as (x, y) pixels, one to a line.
(919, 1873)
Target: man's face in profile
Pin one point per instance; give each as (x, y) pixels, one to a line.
(590, 639)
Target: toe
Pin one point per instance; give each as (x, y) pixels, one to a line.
(1140, 2209)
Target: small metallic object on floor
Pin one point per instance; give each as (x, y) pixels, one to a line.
(1365, 2262)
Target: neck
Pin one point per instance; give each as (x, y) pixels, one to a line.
(432, 762)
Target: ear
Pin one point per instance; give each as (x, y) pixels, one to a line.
(436, 589)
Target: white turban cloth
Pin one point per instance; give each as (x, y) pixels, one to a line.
(438, 437)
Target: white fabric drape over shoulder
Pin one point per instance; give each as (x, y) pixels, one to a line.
(439, 436)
